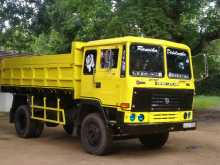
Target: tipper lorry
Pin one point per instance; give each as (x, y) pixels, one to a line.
(104, 90)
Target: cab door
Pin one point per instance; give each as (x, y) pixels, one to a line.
(108, 74)
(88, 85)
(101, 74)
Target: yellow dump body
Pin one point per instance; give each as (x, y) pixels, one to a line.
(60, 71)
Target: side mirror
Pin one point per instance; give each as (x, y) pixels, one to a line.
(201, 69)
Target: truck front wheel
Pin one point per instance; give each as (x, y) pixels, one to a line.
(154, 141)
(24, 125)
(96, 137)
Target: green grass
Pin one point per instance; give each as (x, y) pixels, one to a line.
(206, 102)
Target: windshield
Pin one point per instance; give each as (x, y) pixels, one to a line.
(178, 63)
(146, 60)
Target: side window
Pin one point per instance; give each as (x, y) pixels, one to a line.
(123, 62)
(109, 58)
(89, 62)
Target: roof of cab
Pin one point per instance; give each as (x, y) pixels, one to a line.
(136, 40)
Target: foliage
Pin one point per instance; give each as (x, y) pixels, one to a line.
(49, 43)
(195, 23)
(211, 85)
(49, 26)
(74, 20)
(15, 20)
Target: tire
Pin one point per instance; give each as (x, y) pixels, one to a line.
(38, 129)
(68, 128)
(96, 138)
(154, 141)
(24, 125)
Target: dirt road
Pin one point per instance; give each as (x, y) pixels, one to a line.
(200, 147)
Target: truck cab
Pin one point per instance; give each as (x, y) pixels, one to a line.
(144, 86)
(147, 80)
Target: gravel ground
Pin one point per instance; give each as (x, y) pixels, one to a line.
(55, 147)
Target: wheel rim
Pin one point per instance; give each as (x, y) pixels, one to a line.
(93, 134)
(22, 121)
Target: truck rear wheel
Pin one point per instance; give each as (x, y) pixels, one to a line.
(24, 125)
(154, 141)
(96, 138)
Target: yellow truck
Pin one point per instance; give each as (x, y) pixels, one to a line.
(104, 90)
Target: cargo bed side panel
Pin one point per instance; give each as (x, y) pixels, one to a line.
(46, 71)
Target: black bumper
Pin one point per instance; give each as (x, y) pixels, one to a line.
(137, 129)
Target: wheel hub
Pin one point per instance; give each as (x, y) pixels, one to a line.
(93, 134)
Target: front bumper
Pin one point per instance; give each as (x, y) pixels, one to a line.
(158, 117)
(142, 129)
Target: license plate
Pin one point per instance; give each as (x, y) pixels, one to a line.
(189, 125)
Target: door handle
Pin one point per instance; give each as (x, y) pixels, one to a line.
(98, 84)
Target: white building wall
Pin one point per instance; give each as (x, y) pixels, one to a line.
(5, 102)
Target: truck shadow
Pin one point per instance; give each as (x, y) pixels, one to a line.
(211, 115)
(182, 142)
(124, 148)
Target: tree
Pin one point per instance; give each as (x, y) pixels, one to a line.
(73, 19)
(49, 26)
(195, 23)
(49, 43)
(15, 20)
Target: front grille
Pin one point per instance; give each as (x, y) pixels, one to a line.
(146, 100)
(161, 117)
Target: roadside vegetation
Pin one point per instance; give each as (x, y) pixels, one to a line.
(49, 26)
(203, 102)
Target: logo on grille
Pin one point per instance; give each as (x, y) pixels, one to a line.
(167, 100)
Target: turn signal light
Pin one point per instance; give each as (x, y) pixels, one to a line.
(124, 105)
(187, 115)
